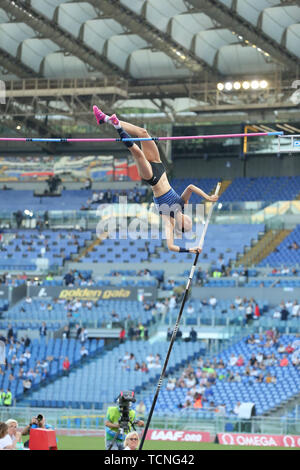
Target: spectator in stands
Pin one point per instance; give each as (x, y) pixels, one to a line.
(43, 329)
(295, 358)
(155, 364)
(179, 335)
(249, 314)
(140, 410)
(11, 333)
(233, 360)
(198, 401)
(236, 409)
(270, 379)
(284, 313)
(69, 278)
(295, 309)
(171, 384)
(88, 183)
(294, 246)
(150, 358)
(237, 378)
(259, 379)
(144, 367)
(240, 361)
(78, 330)
(83, 335)
(285, 270)
(193, 335)
(213, 301)
(122, 335)
(289, 349)
(284, 362)
(200, 276)
(66, 366)
(19, 218)
(66, 332)
(26, 385)
(208, 393)
(83, 352)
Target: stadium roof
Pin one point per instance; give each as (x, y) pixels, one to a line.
(147, 39)
(142, 45)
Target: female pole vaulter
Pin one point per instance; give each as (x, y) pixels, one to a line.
(151, 170)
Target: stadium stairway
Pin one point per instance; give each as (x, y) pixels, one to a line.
(88, 249)
(269, 241)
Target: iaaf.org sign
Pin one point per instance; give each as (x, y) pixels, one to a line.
(179, 436)
(260, 440)
(94, 293)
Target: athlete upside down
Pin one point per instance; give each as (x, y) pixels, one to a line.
(151, 170)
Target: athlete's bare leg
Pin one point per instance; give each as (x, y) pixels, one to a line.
(149, 147)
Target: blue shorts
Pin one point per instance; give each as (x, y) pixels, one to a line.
(169, 203)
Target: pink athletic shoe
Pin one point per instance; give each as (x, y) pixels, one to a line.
(114, 120)
(100, 115)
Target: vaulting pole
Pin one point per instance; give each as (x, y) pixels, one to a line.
(177, 322)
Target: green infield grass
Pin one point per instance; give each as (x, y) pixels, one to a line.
(97, 443)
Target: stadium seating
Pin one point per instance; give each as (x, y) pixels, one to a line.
(283, 255)
(266, 396)
(102, 379)
(268, 189)
(40, 350)
(27, 246)
(69, 200)
(31, 315)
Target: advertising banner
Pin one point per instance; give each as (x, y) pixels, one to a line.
(144, 294)
(260, 440)
(4, 292)
(18, 293)
(179, 436)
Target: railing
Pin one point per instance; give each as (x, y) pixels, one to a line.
(68, 418)
(279, 215)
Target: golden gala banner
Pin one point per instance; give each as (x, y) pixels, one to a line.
(94, 293)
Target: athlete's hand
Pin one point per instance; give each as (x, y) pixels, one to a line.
(195, 250)
(213, 198)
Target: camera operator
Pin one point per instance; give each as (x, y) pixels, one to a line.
(120, 420)
(36, 422)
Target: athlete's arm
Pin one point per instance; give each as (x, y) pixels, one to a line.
(169, 229)
(191, 188)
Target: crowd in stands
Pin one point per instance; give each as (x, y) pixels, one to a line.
(25, 365)
(130, 362)
(133, 196)
(257, 367)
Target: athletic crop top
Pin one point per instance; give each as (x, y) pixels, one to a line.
(158, 170)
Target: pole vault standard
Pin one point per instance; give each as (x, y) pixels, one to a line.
(137, 139)
(201, 242)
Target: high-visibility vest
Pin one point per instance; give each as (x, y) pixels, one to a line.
(2, 396)
(8, 399)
